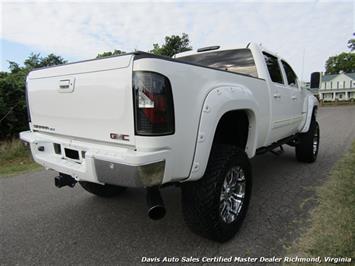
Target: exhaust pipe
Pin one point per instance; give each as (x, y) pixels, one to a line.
(63, 180)
(156, 209)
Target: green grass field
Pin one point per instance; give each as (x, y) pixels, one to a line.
(15, 158)
(337, 103)
(331, 231)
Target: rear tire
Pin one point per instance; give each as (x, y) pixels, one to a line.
(215, 206)
(308, 143)
(106, 191)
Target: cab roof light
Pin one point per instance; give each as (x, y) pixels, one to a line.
(208, 48)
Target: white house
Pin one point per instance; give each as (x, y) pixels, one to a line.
(339, 87)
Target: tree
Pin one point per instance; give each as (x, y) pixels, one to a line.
(36, 61)
(351, 43)
(13, 114)
(173, 44)
(51, 60)
(343, 62)
(14, 67)
(106, 54)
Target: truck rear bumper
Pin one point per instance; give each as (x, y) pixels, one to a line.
(97, 162)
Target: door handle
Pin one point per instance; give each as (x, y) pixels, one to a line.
(66, 85)
(277, 96)
(294, 98)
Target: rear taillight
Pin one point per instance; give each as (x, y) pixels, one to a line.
(153, 103)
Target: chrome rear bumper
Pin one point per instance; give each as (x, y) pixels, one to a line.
(98, 163)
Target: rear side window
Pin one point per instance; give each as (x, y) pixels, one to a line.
(290, 75)
(273, 67)
(237, 60)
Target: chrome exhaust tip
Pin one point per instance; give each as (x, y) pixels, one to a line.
(156, 208)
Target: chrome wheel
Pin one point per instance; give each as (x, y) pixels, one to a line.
(316, 140)
(232, 194)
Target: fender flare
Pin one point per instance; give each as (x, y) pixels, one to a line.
(312, 106)
(219, 101)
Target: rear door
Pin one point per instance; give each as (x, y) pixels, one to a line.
(280, 100)
(88, 100)
(296, 103)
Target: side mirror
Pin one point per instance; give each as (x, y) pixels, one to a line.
(315, 80)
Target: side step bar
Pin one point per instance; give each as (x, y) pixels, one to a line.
(289, 140)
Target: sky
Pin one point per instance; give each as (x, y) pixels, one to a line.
(305, 33)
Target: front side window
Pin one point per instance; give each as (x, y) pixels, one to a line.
(290, 75)
(273, 67)
(238, 61)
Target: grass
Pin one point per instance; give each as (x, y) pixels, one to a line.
(15, 158)
(336, 103)
(332, 227)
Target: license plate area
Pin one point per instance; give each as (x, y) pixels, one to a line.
(72, 154)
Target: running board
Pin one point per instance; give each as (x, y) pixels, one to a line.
(279, 152)
(276, 144)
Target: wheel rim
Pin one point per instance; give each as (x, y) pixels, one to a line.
(316, 140)
(232, 194)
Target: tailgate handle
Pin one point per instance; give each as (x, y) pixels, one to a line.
(66, 85)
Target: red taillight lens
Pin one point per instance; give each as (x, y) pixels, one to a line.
(153, 103)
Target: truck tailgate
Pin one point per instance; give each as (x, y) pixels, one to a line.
(89, 99)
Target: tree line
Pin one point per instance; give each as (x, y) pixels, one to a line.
(13, 113)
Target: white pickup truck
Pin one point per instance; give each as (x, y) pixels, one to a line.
(195, 120)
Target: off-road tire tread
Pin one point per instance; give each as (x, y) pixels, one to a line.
(200, 199)
(304, 147)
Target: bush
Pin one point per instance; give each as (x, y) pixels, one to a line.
(12, 104)
(15, 158)
(13, 149)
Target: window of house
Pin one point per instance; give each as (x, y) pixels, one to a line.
(290, 74)
(328, 95)
(273, 68)
(344, 84)
(325, 85)
(331, 84)
(337, 84)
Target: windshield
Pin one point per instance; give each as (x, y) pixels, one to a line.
(238, 61)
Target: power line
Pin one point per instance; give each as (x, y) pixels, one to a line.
(9, 112)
